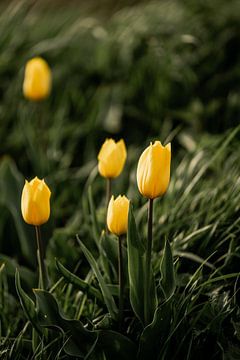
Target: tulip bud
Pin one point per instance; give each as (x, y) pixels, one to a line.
(153, 171)
(117, 215)
(111, 158)
(37, 79)
(35, 203)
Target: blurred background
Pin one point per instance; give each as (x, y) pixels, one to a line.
(141, 70)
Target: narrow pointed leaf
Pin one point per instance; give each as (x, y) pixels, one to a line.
(28, 277)
(81, 284)
(114, 289)
(79, 340)
(11, 185)
(167, 280)
(27, 304)
(136, 269)
(154, 335)
(110, 303)
(95, 225)
(136, 253)
(109, 257)
(116, 346)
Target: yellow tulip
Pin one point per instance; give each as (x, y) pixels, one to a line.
(117, 215)
(153, 171)
(37, 79)
(35, 203)
(111, 158)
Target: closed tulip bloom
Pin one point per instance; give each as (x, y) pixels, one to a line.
(153, 171)
(117, 215)
(111, 158)
(37, 79)
(35, 203)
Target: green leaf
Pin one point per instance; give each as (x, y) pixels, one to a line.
(155, 334)
(11, 185)
(114, 289)
(116, 346)
(109, 257)
(152, 295)
(108, 298)
(95, 225)
(167, 281)
(81, 284)
(80, 341)
(28, 277)
(136, 252)
(27, 304)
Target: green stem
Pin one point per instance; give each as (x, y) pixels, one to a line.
(108, 191)
(121, 282)
(148, 263)
(42, 270)
(108, 197)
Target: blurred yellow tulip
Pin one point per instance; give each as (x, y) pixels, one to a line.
(37, 80)
(111, 158)
(153, 171)
(117, 215)
(35, 202)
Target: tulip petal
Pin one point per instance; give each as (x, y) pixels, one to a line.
(111, 158)
(35, 202)
(153, 172)
(37, 79)
(117, 215)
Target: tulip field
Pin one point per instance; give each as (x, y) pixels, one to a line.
(119, 180)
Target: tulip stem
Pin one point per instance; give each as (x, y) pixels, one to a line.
(108, 197)
(148, 262)
(121, 283)
(108, 191)
(40, 257)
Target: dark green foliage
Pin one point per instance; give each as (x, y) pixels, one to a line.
(167, 281)
(136, 254)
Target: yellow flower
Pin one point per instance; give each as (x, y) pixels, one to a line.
(117, 215)
(153, 171)
(35, 203)
(111, 158)
(37, 79)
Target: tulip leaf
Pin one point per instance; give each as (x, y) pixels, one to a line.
(116, 346)
(28, 277)
(114, 289)
(81, 284)
(27, 304)
(154, 335)
(108, 298)
(11, 185)
(80, 341)
(136, 257)
(136, 271)
(109, 257)
(153, 302)
(94, 221)
(167, 281)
